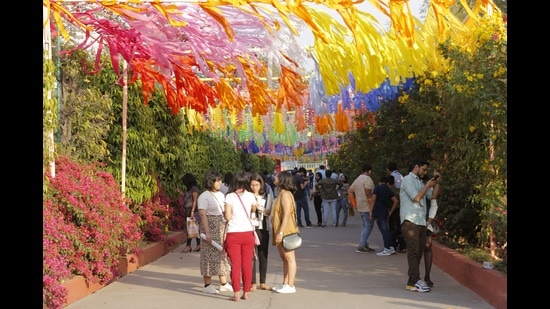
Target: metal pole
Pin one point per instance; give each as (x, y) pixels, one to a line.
(48, 134)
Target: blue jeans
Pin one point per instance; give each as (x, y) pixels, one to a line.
(384, 227)
(368, 225)
(329, 205)
(342, 205)
(302, 204)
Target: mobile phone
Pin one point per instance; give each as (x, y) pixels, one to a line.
(435, 177)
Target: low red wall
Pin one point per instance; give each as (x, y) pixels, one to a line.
(492, 285)
(79, 287)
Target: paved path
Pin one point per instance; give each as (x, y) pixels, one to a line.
(330, 275)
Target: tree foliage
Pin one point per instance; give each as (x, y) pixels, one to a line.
(457, 120)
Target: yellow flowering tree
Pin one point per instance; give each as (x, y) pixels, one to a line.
(466, 106)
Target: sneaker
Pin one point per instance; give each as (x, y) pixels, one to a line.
(409, 286)
(309, 226)
(386, 252)
(210, 290)
(420, 286)
(286, 289)
(363, 250)
(429, 282)
(277, 287)
(226, 287)
(300, 225)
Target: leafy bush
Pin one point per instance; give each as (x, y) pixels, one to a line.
(87, 228)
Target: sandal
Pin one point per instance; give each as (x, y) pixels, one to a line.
(187, 249)
(197, 249)
(264, 286)
(253, 287)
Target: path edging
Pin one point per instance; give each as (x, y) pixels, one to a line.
(491, 285)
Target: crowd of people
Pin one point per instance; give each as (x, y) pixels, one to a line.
(241, 215)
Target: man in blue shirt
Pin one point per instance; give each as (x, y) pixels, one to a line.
(412, 198)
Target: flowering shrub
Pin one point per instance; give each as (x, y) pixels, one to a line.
(155, 215)
(87, 228)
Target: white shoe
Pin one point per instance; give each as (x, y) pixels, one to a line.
(210, 290)
(226, 287)
(277, 287)
(286, 289)
(386, 252)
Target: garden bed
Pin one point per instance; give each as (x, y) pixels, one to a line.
(491, 285)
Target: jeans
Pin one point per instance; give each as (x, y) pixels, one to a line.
(383, 226)
(317, 202)
(342, 205)
(415, 238)
(368, 225)
(395, 230)
(329, 205)
(302, 203)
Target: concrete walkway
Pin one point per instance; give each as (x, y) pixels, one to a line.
(330, 275)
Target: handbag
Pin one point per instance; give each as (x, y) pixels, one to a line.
(435, 227)
(292, 241)
(192, 228)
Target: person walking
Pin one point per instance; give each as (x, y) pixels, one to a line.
(318, 201)
(300, 197)
(283, 223)
(412, 197)
(382, 197)
(211, 208)
(360, 191)
(239, 243)
(342, 203)
(394, 222)
(264, 199)
(328, 187)
(190, 197)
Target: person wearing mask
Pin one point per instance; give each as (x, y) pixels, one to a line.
(318, 201)
(264, 198)
(342, 203)
(360, 191)
(328, 187)
(239, 243)
(190, 197)
(283, 223)
(413, 212)
(300, 197)
(384, 203)
(211, 208)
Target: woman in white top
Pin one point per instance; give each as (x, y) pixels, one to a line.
(211, 208)
(239, 241)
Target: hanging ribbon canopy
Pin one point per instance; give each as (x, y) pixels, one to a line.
(235, 67)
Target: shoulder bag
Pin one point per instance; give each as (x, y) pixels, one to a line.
(293, 241)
